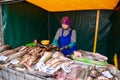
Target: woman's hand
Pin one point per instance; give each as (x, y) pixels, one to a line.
(63, 48)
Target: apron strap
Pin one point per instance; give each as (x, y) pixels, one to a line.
(70, 31)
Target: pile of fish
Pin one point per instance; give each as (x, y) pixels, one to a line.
(90, 57)
(47, 61)
(25, 56)
(88, 72)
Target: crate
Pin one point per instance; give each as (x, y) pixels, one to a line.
(11, 74)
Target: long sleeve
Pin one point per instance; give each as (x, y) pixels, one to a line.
(73, 39)
(73, 36)
(58, 34)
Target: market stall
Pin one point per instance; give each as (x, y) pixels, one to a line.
(29, 22)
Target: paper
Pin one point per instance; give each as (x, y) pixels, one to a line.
(49, 79)
(49, 70)
(107, 74)
(41, 66)
(14, 61)
(65, 68)
(3, 58)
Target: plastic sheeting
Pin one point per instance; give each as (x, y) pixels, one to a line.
(84, 24)
(23, 22)
(114, 40)
(68, 5)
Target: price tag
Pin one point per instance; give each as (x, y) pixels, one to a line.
(3, 58)
(49, 70)
(107, 74)
(41, 66)
(14, 61)
(49, 79)
(65, 68)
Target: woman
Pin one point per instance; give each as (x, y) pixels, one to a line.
(65, 37)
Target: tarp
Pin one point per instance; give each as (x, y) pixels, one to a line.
(23, 22)
(114, 39)
(68, 5)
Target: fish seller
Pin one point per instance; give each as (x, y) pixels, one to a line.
(65, 37)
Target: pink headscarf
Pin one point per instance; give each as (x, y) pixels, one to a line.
(66, 20)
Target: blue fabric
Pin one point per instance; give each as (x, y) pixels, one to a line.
(71, 44)
(65, 41)
(55, 42)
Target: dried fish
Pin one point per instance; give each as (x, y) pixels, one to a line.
(4, 47)
(18, 54)
(89, 78)
(101, 78)
(7, 52)
(46, 56)
(93, 73)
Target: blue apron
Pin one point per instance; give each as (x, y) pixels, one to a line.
(64, 41)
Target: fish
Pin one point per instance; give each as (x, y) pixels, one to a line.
(7, 52)
(4, 47)
(45, 57)
(17, 54)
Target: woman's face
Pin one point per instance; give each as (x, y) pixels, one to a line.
(65, 26)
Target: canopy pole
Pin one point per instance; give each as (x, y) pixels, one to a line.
(96, 31)
(115, 59)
